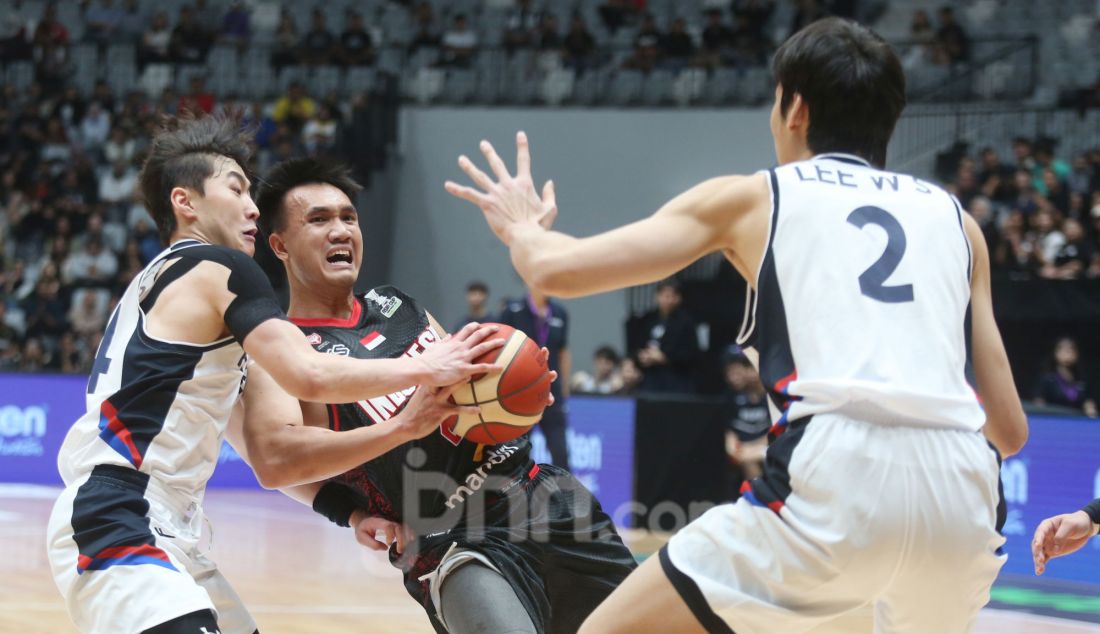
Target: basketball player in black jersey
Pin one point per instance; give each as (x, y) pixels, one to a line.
(488, 541)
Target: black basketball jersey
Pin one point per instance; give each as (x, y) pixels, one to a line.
(426, 479)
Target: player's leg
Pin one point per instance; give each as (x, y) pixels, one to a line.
(646, 602)
(114, 573)
(553, 426)
(476, 599)
(233, 616)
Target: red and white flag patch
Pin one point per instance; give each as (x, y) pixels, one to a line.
(372, 340)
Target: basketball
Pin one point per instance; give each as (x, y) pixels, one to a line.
(512, 401)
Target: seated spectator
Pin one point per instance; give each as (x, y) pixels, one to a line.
(427, 33)
(356, 46)
(68, 357)
(88, 314)
(319, 44)
(91, 265)
(579, 46)
(294, 108)
(9, 336)
(101, 23)
(616, 14)
(605, 377)
(286, 51)
(132, 25)
(155, 45)
(117, 186)
(994, 177)
(1063, 383)
(756, 13)
(1048, 239)
(1075, 258)
(237, 25)
(747, 420)
(646, 46)
(1080, 178)
(520, 26)
(677, 47)
(1045, 160)
(34, 357)
(189, 43)
(320, 133)
(199, 100)
(548, 38)
(1026, 198)
(632, 376)
(667, 347)
(1022, 151)
(717, 40)
(56, 150)
(749, 46)
(1015, 251)
(459, 43)
(256, 119)
(119, 146)
(924, 49)
(44, 310)
(951, 37)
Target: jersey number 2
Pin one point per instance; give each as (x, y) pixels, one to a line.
(872, 282)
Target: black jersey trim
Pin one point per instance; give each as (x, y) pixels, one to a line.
(966, 238)
(691, 594)
(844, 157)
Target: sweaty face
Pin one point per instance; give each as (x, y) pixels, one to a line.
(322, 242)
(226, 212)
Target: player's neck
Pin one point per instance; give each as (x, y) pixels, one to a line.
(320, 303)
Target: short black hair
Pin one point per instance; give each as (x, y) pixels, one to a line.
(183, 154)
(607, 352)
(852, 84)
(294, 173)
(477, 285)
(672, 283)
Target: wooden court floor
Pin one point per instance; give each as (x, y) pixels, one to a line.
(297, 573)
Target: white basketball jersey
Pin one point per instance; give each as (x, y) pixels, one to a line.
(862, 297)
(157, 406)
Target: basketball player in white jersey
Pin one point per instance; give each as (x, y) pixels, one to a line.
(123, 536)
(880, 488)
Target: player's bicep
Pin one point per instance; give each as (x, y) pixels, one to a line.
(281, 348)
(240, 291)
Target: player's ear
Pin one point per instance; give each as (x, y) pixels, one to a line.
(798, 114)
(278, 247)
(182, 203)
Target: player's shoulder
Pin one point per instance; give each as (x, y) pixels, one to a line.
(226, 256)
(388, 300)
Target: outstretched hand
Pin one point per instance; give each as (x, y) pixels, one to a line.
(453, 360)
(510, 201)
(1059, 535)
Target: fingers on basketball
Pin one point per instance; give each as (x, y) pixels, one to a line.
(513, 400)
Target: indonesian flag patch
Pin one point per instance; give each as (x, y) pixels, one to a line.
(372, 340)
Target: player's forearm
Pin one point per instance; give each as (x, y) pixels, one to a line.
(302, 454)
(336, 379)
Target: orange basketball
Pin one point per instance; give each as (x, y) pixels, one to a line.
(512, 401)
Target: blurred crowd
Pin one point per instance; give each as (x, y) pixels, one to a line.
(1040, 212)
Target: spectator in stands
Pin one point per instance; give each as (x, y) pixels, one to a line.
(756, 14)
(190, 42)
(616, 14)
(747, 420)
(520, 26)
(320, 133)
(132, 25)
(68, 357)
(579, 46)
(120, 146)
(427, 33)
(116, 186)
(50, 32)
(1026, 197)
(547, 38)
(294, 108)
(9, 336)
(668, 348)
(237, 26)
(319, 44)
(717, 41)
(459, 43)
(605, 377)
(1055, 191)
(14, 36)
(356, 46)
(1048, 239)
(1064, 384)
(51, 52)
(1076, 257)
(34, 357)
(88, 314)
(1045, 160)
(44, 310)
(56, 149)
(983, 212)
(807, 12)
(923, 49)
(965, 186)
(286, 51)
(95, 127)
(101, 23)
(1080, 178)
(951, 37)
(199, 100)
(647, 43)
(994, 177)
(91, 265)
(477, 305)
(632, 376)
(155, 47)
(677, 47)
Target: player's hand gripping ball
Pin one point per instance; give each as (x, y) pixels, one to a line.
(511, 401)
